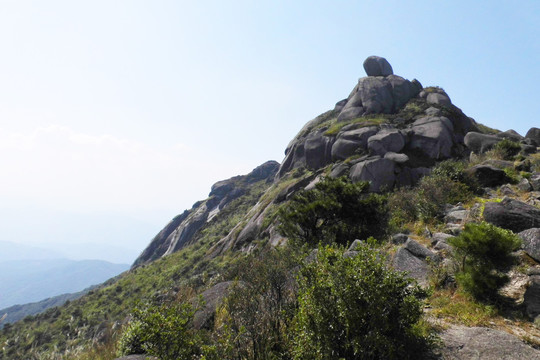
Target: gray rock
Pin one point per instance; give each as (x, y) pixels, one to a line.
(384, 141)
(356, 244)
(501, 164)
(378, 171)
(507, 190)
(439, 99)
(137, 357)
(524, 185)
(318, 149)
(456, 216)
(432, 111)
(416, 267)
(534, 134)
(488, 176)
(350, 113)
(376, 95)
(510, 135)
(402, 90)
(440, 237)
(442, 246)
(397, 158)
(339, 170)
(480, 143)
(399, 238)
(340, 105)
(531, 299)
(464, 343)
(432, 136)
(531, 242)
(377, 66)
(212, 299)
(535, 181)
(419, 250)
(351, 142)
(512, 215)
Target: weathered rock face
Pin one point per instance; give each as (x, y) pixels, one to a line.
(512, 215)
(463, 343)
(180, 231)
(531, 242)
(480, 143)
(411, 257)
(432, 136)
(534, 134)
(488, 176)
(212, 298)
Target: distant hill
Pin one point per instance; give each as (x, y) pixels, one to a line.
(18, 312)
(26, 281)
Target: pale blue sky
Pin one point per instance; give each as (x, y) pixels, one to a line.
(132, 109)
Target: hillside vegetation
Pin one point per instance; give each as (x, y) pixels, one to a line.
(395, 227)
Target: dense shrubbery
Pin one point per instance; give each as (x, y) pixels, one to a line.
(507, 149)
(447, 184)
(164, 331)
(335, 211)
(356, 308)
(483, 252)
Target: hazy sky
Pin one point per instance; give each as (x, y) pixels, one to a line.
(128, 111)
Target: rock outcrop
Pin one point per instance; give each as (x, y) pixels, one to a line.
(464, 343)
(378, 138)
(512, 215)
(180, 231)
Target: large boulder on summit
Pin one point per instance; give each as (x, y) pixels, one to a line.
(512, 215)
(380, 92)
(377, 66)
(479, 143)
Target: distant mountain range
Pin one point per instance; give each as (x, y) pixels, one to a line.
(26, 281)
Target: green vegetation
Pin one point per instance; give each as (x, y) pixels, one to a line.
(447, 184)
(335, 211)
(356, 308)
(364, 121)
(507, 149)
(164, 331)
(483, 252)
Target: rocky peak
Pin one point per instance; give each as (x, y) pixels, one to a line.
(388, 131)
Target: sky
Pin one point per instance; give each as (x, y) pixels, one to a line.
(115, 116)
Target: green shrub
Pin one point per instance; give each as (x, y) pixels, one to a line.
(507, 149)
(483, 252)
(427, 200)
(335, 211)
(164, 331)
(356, 308)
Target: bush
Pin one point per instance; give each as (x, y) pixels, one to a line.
(356, 308)
(335, 211)
(427, 200)
(507, 149)
(483, 252)
(255, 317)
(164, 331)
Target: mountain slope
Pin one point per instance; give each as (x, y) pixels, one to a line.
(390, 132)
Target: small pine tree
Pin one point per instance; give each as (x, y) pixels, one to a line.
(335, 211)
(483, 252)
